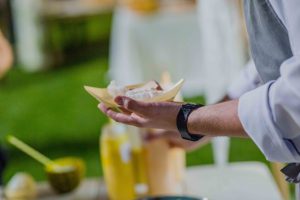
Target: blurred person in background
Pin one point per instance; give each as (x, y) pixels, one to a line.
(6, 56)
(6, 60)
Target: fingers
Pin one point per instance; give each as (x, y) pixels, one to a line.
(103, 108)
(130, 119)
(144, 114)
(138, 107)
(124, 110)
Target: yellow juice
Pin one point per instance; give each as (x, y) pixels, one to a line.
(117, 162)
(140, 172)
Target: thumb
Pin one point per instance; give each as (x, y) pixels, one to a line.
(132, 105)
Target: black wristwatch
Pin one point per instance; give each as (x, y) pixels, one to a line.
(182, 119)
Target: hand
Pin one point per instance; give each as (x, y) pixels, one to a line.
(160, 115)
(6, 55)
(174, 139)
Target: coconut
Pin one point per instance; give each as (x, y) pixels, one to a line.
(21, 186)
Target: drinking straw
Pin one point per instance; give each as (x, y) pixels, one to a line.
(29, 150)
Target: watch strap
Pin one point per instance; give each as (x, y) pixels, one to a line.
(182, 120)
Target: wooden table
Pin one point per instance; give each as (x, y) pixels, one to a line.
(236, 181)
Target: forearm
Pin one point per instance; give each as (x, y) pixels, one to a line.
(217, 120)
(213, 120)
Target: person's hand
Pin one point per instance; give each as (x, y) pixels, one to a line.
(175, 140)
(6, 55)
(160, 115)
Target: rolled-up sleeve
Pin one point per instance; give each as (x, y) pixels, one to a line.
(270, 114)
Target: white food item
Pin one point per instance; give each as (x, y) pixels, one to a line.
(147, 91)
(143, 94)
(21, 186)
(116, 90)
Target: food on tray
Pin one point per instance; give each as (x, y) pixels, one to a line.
(148, 92)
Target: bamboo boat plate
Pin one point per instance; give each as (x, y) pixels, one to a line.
(102, 95)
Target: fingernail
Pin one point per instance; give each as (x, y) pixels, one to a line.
(119, 100)
(100, 107)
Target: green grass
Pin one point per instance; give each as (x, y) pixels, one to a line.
(53, 113)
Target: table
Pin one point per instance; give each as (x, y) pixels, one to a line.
(236, 181)
(90, 189)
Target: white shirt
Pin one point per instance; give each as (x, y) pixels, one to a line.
(270, 113)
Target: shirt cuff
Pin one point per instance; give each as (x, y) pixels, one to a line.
(255, 115)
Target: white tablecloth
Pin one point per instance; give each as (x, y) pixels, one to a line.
(236, 181)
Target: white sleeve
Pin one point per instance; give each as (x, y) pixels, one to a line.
(247, 80)
(270, 114)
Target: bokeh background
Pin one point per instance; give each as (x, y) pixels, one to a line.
(59, 46)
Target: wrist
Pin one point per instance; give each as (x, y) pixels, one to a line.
(194, 121)
(173, 117)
